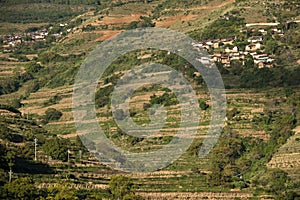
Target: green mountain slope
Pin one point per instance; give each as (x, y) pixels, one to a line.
(44, 45)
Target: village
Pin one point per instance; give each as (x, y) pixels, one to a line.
(221, 50)
(11, 42)
(225, 51)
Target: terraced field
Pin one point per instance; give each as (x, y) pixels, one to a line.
(288, 156)
(9, 68)
(251, 113)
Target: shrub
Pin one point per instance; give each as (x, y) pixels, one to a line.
(122, 187)
(52, 114)
(33, 67)
(57, 148)
(203, 105)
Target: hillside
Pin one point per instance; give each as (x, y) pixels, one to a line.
(254, 44)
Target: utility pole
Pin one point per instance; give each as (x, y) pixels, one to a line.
(80, 154)
(10, 175)
(35, 145)
(68, 155)
(10, 156)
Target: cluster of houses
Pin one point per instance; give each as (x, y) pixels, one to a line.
(11, 41)
(14, 40)
(224, 50)
(230, 52)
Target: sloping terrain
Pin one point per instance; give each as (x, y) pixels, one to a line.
(288, 156)
(38, 76)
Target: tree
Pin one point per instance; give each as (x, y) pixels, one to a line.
(3, 165)
(33, 67)
(223, 158)
(61, 192)
(21, 188)
(16, 103)
(249, 61)
(121, 187)
(52, 115)
(203, 105)
(120, 115)
(271, 46)
(274, 181)
(221, 68)
(236, 67)
(57, 148)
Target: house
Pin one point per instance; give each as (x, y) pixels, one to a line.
(235, 56)
(225, 60)
(197, 74)
(232, 49)
(263, 31)
(228, 40)
(205, 60)
(38, 37)
(62, 25)
(216, 44)
(18, 41)
(197, 44)
(242, 56)
(209, 42)
(255, 39)
(207, 47)
(260, 65)
(281, 34)
(217, 57)
(253, 47)
(253, 54)
(262, 58)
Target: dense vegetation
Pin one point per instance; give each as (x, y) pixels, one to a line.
(43, 11)
(221, 28)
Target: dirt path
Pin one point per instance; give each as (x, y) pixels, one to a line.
(107, 34)
(71, 135)
(168, 21)
(202, 7)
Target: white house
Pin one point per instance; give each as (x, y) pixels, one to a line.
(255, 39)
(232, 49)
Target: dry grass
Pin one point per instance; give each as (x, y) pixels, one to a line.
(7, 28)
(194, 195)
(288, 156)
(8, 68)
(134, 8)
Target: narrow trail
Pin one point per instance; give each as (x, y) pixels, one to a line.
(202, 7)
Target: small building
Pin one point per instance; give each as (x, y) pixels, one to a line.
(255, 39)
(253, 47)
(217, 57)
(232, 49)
(262, 30)
(225, 60)
(260, 65)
